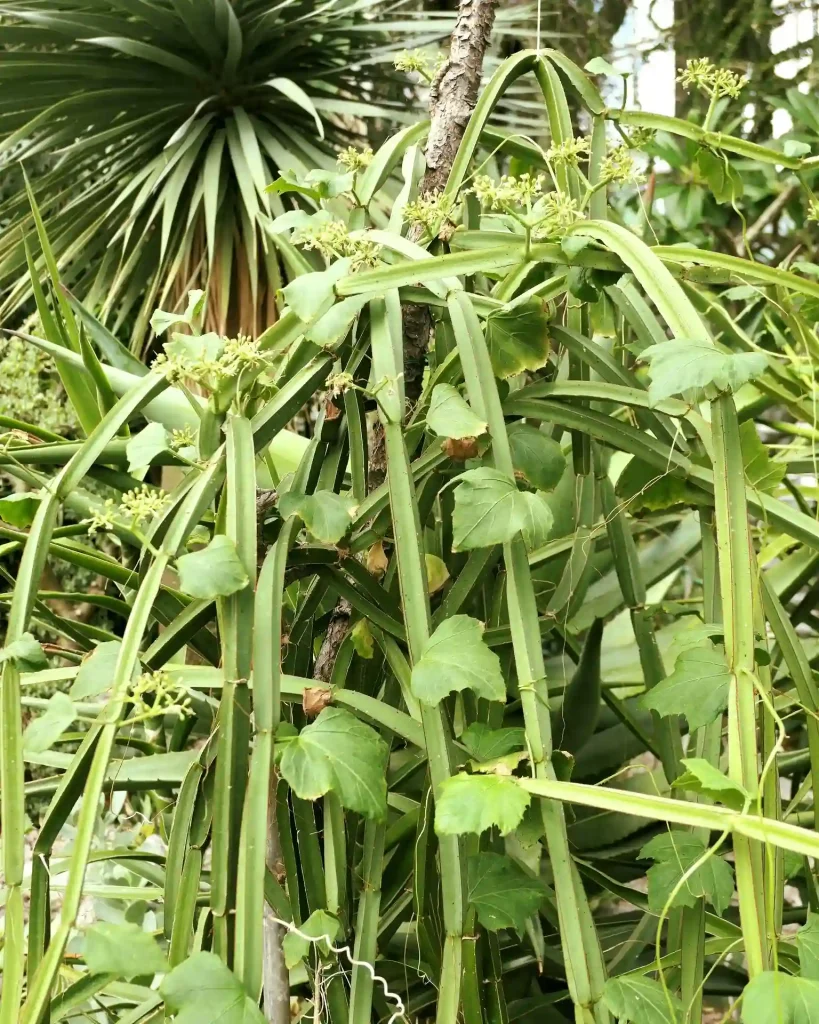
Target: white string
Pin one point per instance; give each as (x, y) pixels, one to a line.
(400, 1009)
(537, 38)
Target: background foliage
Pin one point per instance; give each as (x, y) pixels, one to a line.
(529, 729)
(163, 123)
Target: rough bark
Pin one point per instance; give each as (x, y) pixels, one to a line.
(337, 629)
(452, 99)
(417, 328)
(265, 503)
(377, 463)
(276, 979)
(275, 976)
(454, 92)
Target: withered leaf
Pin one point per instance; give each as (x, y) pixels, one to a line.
(315, 699)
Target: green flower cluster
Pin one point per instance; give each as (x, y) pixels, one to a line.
(430, 211)
(183, 437)
(352, 159)
(569, 151)
(333, 240)
(208, 360)
(509, 191)
(136, 507)
(618, 168)
(155, 693)
(715, 82)
(546, 215)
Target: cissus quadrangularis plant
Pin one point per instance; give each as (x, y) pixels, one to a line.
(563, 667)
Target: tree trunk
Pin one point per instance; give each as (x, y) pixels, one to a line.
(452, 99)
(276, 979)
(454, 92)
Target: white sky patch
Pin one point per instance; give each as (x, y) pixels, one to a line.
(796, 27)
(639, 46)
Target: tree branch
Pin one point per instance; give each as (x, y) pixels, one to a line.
(337, 629)
(276, 979)
(454, 92)
(452, 99)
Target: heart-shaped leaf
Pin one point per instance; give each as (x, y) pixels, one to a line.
(485, 743)
(96, 670)
(674, 853)
(339, 753)
(538, 459)
(489, 509)
(44, 731)
(677, 366)
(474, 803)
(327, 515)
(19, 509)
(518, 338)
(215, 571)
(321, 926)
(144, 446)
(310, 295)
(202, 990)
(776, 998)
(697, 688)
(26, 654)
(456, 658)
(640, 1000)
(123, 949)
(449, 415)
(502, 892)
(161, 321)
(700, 776)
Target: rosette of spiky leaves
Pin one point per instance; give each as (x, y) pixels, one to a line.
(160, 124)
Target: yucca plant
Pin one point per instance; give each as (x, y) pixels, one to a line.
(163, 123)
(560, 757)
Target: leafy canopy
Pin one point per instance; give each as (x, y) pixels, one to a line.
(379, 636)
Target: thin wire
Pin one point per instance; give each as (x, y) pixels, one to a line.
(537, 38)
(394, 997)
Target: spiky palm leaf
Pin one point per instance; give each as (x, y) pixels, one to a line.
(162, 121)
